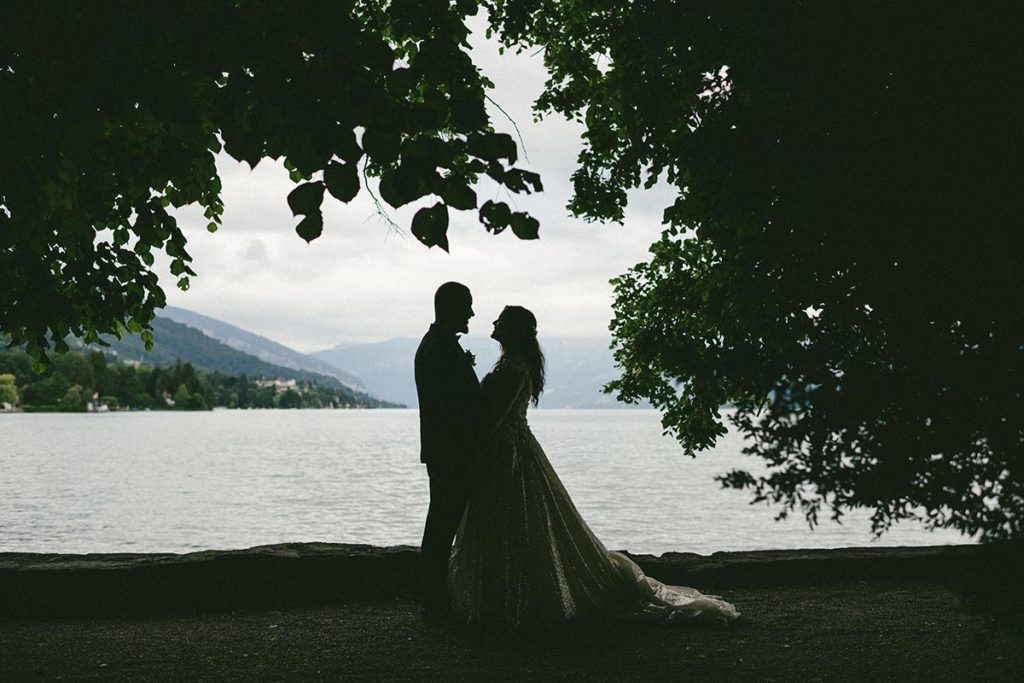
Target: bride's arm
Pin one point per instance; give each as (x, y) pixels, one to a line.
(498, 396)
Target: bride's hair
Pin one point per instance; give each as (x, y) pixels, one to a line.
(522, 341)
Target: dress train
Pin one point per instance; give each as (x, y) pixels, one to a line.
(524, 555)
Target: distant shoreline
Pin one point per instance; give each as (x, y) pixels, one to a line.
(45, 410)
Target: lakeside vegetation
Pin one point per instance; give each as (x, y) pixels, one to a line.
(90, 381)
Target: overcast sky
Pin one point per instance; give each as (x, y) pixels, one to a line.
(364, 281)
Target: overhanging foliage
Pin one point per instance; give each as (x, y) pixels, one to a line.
(842, 264)
(112, 113)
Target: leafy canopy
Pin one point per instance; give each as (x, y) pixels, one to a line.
(842, 263)
(113, 113)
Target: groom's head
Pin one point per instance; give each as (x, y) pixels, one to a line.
(453, 306)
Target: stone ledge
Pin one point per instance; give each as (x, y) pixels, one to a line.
(44, 585)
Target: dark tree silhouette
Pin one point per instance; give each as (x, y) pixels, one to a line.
(842, 264)
(113, 113)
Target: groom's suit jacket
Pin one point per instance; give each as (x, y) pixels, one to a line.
(449, 397)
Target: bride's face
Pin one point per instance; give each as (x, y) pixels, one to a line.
(500, 331)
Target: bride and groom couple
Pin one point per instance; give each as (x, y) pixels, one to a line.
(522, 553)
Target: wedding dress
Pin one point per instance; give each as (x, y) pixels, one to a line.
(524, 555)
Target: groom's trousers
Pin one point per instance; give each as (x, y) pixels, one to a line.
(449, 493)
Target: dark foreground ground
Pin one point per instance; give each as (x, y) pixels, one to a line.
(803, 622)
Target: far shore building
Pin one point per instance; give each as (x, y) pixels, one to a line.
(96, 405)
(280, 385)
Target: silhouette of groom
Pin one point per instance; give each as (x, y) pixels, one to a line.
(449, 398)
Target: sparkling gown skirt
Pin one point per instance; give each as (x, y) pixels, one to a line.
(523, 554)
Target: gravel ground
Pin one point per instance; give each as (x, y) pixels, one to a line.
(857, 631)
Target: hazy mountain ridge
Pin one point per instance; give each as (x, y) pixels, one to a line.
(386, 367)
(255, 345)
(174, 340)
(577, 368)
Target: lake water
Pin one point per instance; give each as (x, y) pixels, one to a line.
(178, 482)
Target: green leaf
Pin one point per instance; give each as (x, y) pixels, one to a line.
(468, 110)
(391, 192)
(342, 180)
(382, 144)
(305, 154)
(400, 81)
(310, 227)
(458, 194)
(429, 152)
(407, 183)
(492, 146)
(211, 227)
(306, 199)
(244, 145)
(495, 216)
(525, 226)
(346, 148)
(430, 226)
(519, 180)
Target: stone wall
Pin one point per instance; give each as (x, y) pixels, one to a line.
(44, 585)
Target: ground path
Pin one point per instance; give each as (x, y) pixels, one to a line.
(875, 627)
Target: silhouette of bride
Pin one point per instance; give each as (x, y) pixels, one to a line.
(523, 554)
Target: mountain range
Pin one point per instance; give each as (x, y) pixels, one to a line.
(577, 368)
(174, 341)
(260, 347)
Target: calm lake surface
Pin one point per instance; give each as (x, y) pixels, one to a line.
(178, 482)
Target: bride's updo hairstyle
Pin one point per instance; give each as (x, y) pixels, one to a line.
(521, 340)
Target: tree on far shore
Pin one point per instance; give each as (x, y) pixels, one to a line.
(8, 390)
(73, 401)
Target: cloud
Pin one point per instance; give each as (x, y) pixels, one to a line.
(256, 251)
